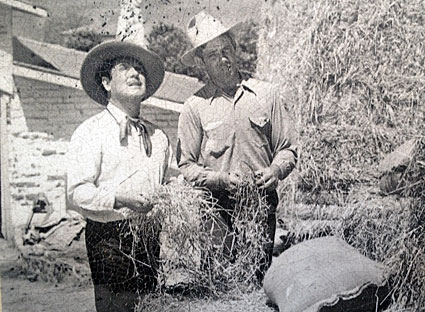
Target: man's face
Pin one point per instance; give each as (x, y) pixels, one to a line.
(127, 81)
(220, 62)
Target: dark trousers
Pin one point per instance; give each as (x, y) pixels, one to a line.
(122, 266)
(223, 230)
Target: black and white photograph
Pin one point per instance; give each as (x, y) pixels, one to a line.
(212, 156)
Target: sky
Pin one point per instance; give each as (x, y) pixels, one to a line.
(176, 12)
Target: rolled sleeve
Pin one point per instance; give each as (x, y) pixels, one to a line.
(284, 138)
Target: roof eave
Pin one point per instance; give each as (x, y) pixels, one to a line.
(25, 7)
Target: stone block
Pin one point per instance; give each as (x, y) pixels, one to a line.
(48, 152)
(32, 197)
(56, 177)
(24, 184)
(17, 197)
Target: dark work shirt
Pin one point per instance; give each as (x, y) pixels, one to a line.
(250, 131)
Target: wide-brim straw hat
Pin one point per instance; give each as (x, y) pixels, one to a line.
(97, 58)
(201, 29)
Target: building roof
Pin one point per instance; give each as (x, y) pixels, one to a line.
(53, 56)
(67, 62)
(25, 7)
(177, 88)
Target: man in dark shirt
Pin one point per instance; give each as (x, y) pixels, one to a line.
(234, 122)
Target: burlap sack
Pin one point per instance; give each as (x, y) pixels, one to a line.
(325, 274)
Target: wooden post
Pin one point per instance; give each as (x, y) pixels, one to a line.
(6, 215)
(6, 91)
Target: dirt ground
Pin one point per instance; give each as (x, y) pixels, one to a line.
(19, 293)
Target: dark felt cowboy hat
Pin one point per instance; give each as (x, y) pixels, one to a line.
(201, 29)
(98, 57)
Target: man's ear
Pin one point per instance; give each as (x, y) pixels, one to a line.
(106, 83)
(237, 47)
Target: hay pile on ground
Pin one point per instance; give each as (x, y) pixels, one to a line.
(387, 229)
(56, 252)
(241, 302)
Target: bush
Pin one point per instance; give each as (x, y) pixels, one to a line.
(170, 43)
(82, 39)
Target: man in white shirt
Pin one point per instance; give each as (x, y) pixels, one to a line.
(115, 160)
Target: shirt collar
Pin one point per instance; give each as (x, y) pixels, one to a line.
(244, 85)
(116, 113)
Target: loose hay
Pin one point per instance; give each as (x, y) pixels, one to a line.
(337, 157)
(191, 257)
(411, 180)
(248, 302)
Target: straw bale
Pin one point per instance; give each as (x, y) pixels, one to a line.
(352, 66)
(336, 58)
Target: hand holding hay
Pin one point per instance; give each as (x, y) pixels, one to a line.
(191, 253)
(128, 195)
(268, 178)
(136, 202)
(231, 181)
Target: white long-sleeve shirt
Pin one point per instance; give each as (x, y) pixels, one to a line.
(98, 164)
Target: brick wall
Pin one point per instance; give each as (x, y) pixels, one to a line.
(43, 118)
(6, 49)
(58, 110)
(53, 109)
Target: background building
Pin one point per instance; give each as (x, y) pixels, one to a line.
(42, 103)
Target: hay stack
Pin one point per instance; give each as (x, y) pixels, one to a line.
(355, 65)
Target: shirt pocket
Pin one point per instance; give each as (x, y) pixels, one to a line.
(217, 138)
(260, 127)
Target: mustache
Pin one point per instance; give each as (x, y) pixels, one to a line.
(134, 81)
(225, 67)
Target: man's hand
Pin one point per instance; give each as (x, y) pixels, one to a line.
(128, 194)
(268, 178)
(135, 202)
(230, 181)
